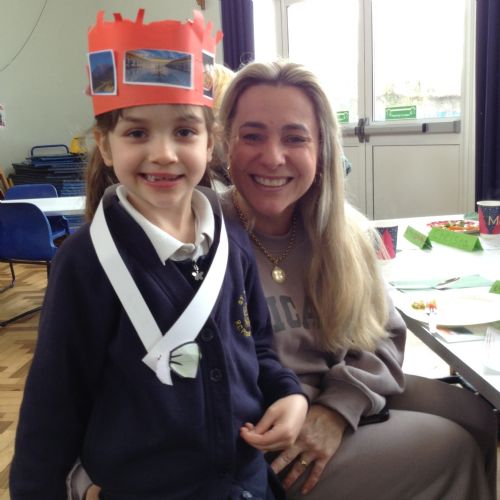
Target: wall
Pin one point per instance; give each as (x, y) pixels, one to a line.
(42, 83)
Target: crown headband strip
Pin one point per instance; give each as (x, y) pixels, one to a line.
(133, 64)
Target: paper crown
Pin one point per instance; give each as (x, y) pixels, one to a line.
(132, 64)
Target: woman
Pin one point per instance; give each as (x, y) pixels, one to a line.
(331, 321)
(329, 313)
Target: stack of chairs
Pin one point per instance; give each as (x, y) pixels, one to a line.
(54, 164)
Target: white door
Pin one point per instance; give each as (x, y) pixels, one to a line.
(394, 70)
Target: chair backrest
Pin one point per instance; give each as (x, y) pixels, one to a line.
(25, 233)
(20, 191)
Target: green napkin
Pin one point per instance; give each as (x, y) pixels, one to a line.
(472, 281)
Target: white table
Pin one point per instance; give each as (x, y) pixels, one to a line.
(411, 263)
(64, 205)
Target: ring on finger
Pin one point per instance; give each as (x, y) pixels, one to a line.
(303, 462)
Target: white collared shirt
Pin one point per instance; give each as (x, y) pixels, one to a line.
(166, 246)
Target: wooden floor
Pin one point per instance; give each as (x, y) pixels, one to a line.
(17, 342)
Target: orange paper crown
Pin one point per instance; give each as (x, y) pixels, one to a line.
(134, 64)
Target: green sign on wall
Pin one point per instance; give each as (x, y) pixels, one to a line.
(401, 113)
(343, 116)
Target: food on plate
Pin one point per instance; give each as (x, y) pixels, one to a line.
(461, 226)
(431, 306)
(420, 305)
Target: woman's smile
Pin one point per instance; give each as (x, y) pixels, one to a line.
(274, 153)
(271, 181)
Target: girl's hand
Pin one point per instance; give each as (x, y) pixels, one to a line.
(93, 493)
(318, 441)
(279, 426)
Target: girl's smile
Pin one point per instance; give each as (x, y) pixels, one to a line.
(162, 180)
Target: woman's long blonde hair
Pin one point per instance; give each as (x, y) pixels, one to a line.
(343, 281)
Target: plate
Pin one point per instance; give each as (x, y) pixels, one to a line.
(457, 226)
(452, 309)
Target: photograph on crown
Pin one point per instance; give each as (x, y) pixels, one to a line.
(102, 72)
(208, 81)
(158, 67)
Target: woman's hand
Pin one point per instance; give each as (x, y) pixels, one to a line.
(279, 426)
(318, 441)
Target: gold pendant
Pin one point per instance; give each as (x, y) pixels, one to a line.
(278, 275)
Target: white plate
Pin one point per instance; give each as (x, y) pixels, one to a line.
(452, 309)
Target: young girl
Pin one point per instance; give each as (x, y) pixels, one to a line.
(154, 356)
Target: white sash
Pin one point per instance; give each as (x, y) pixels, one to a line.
(165, 352)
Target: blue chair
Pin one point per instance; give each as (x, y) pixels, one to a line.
(58, 223)
(25, 237)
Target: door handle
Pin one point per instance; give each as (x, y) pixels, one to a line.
(359, 130)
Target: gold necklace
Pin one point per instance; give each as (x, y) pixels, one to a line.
(277, 273)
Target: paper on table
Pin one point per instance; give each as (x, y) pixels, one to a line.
(456, 240)
(460, 333)
(491, 356)
(419, 239)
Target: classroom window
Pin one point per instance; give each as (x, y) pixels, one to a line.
(378, 53)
